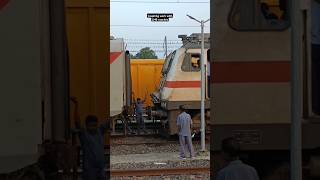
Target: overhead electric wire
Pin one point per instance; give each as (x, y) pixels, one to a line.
(151, 41)
(128, 42)
(156, 45)
(126, 39)
(157, 51)
(164, 2)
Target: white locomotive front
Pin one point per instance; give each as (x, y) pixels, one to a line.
(181, 84)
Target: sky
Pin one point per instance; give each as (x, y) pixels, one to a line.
(133, 13)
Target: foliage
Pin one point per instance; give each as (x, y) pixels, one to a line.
(145, 53)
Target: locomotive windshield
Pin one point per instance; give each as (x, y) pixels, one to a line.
(259, 15)
(167, 63)
(191, 62)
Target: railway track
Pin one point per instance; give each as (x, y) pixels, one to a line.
(134, 135)
(144, 143)
(159, 172)
(131, 142)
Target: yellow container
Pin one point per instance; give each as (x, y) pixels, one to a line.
(145, 75)
(87, 32)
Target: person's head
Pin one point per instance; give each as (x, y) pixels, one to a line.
(230, 149)
(138, 100)
(91, 123)
(182, 108)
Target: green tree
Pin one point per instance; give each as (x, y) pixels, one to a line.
(132, 56)
(146, 53)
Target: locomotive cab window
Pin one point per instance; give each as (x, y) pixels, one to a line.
(259, 15)
(191, 62)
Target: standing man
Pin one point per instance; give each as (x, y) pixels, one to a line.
(92, 144)
(236, 169)
(184, 123)
(139, 115)
(315, 41)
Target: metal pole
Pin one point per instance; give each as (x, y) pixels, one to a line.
(202, 108)
(296, 114)
(202, 90)
(166, 46)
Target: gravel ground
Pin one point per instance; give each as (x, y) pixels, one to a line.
(150, 148)
(162, 164)
(171, 177)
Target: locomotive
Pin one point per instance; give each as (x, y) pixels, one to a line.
(252, 81)
(180, 85)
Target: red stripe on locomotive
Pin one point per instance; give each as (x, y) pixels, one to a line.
(250, 72)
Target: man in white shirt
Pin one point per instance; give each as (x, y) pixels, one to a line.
(184, 123)
(315, 41)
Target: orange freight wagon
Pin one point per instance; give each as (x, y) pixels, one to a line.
(145, 75)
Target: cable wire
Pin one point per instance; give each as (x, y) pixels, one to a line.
(164, 2)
